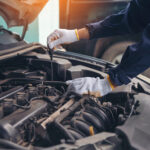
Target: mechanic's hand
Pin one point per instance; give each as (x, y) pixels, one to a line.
(62, 36)
(93, 86)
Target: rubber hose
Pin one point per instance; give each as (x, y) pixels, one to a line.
(93, 120)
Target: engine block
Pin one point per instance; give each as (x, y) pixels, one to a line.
(39, 112)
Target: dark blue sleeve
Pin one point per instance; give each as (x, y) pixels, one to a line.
(134, 18)
(136, 59)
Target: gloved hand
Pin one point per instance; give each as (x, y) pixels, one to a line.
(93, 86)
(62, 36)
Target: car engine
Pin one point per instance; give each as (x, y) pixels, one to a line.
(35, 111)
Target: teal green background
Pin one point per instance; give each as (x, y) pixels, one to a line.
(32, 35)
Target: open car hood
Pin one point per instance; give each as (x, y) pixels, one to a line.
(20, 12)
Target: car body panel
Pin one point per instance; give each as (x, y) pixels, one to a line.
(20, 13)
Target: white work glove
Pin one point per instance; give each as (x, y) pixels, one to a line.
(62, 36)
(93, 86)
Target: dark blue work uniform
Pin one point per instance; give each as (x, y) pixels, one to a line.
(135, 18)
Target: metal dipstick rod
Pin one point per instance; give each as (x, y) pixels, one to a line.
(50, 52)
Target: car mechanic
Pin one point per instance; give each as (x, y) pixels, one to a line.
(136, 59)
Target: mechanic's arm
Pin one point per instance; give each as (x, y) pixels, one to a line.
(135, 60)
(133, 19)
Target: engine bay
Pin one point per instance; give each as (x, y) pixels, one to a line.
(35, 111)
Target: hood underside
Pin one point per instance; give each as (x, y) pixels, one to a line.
(20, 12)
